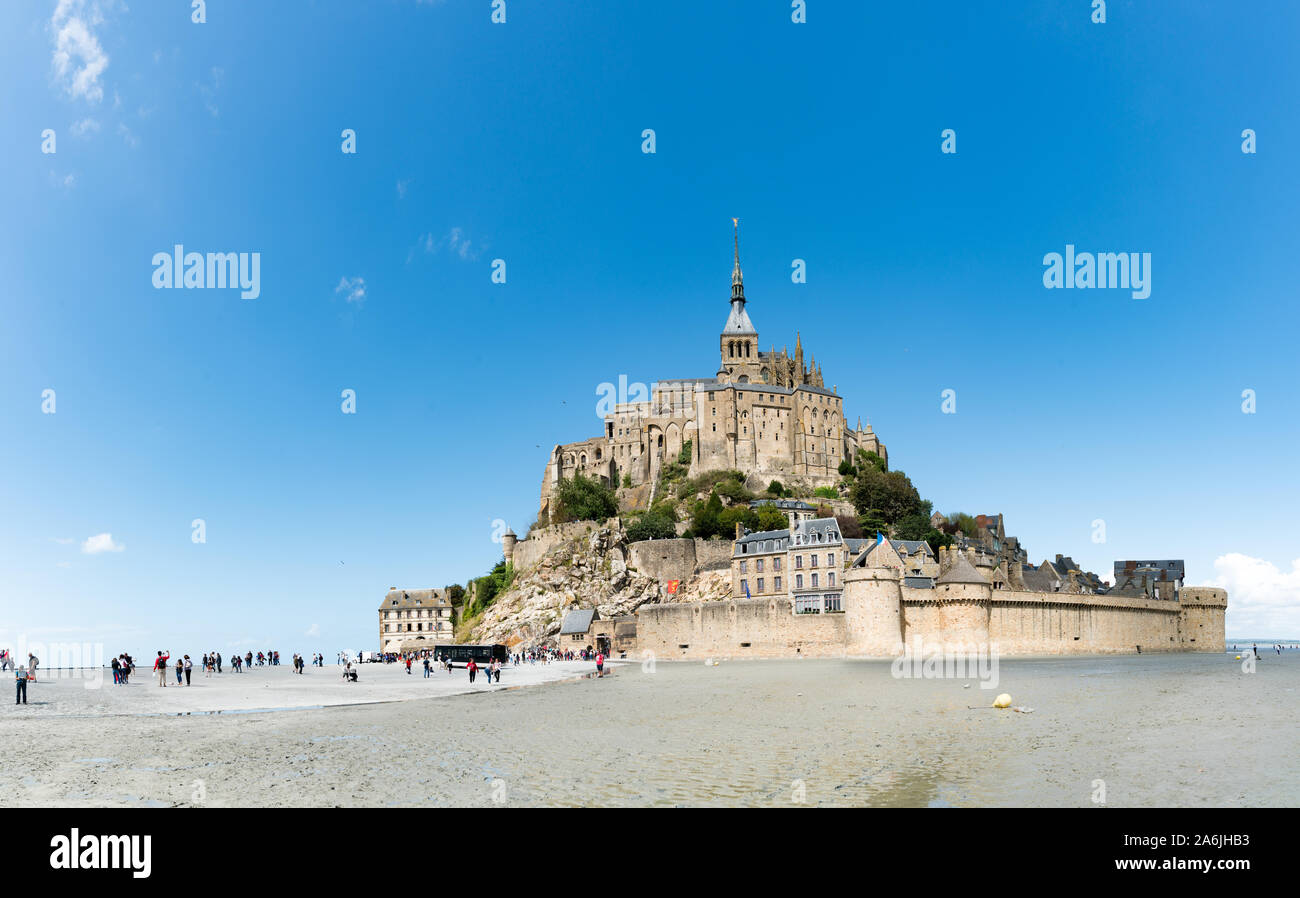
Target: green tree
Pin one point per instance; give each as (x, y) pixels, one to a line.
(684, 457)
(776, 488)
(705, 517)
(651, 525)
(583, 499)
(772, 518)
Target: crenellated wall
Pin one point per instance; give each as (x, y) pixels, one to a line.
(746, 628)
(881, 616)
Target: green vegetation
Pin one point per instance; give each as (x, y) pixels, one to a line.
(684, 457)
(776, 489)
(887, 502)
(847, 469)
(960, 521)
(583, 499)
(652, 525)
(708, 480)
(771, 518)
(627, 481)
(826, 492)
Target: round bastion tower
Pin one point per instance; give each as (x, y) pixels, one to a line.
(873, 605)
(508, 540)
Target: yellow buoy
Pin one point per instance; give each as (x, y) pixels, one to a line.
(1002, 701)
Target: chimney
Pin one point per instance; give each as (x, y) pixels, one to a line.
(790, 515)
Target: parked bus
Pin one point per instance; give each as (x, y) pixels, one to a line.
(463, 654)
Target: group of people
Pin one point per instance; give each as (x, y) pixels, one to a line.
(123, 666)
(210, 663)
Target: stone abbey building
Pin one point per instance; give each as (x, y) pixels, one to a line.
(766, 413)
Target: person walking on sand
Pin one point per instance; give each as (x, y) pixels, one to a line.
(160, 665)
(32, 662)
(600, 665)
(426, 668)
(20, 685)
(189, 666)
(472, 668)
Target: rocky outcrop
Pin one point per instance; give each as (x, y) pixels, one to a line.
(586, 570)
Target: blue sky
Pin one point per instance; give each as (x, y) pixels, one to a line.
(522, 141)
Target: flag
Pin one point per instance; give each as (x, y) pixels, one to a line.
(746, 585)
(880, 537)
(672, 587)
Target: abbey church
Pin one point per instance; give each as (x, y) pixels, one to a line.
(767, 414)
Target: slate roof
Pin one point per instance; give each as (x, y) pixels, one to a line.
(828, 529)
(1038, 579)
(913, 546)
(738, 321)
(962, 571)
(784, 504)
(414, 598)
(577, 621)
(745, 545)
(919, 582)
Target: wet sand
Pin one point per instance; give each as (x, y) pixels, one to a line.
(1157, 730)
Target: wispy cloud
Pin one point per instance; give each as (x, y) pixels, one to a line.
(455, 242)
(128, 136)
(79, 59)
(102, 542)
(401, 188)
(210, 88)
(353, 289)
(313, 630)
(85, 126)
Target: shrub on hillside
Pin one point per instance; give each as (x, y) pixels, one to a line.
(583, 499)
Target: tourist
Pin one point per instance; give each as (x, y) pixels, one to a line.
(426, 668)
(32, 661)
(472, 668)
(117, 672)
(20, 685)
(408, 665)
(160, 665)
(600, 665)
(189, 667)
(218, 660)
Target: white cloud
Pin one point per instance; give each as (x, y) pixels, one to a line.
(401, 188)
(313, 630)
(102, 542)
(354, 289)
(1263, 601)
(210, 90)
(128, 135)
(79, 59)
(455, 241)
(85, 126)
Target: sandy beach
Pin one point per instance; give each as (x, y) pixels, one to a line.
(92, 692)
(1162, 730)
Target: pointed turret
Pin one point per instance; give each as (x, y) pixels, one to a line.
(738, 321)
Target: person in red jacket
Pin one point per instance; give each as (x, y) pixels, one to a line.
(472, 668)
(160, 667)
(600, 665)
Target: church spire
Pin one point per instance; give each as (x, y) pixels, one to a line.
(737, 279)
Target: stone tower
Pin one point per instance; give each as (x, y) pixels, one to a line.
(508, 540)
(1201, 620)
(738, 344)
(873, 604)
